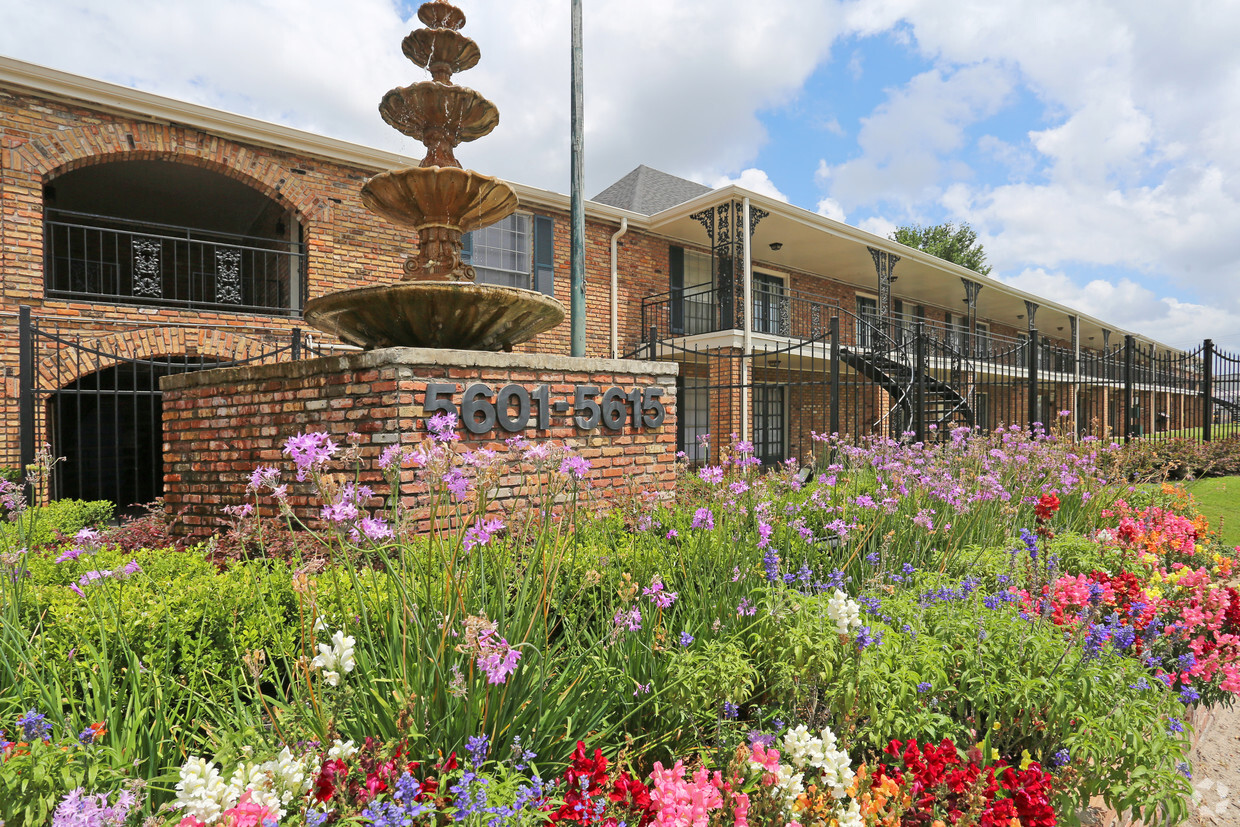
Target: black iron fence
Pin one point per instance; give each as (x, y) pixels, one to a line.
(89, 390)
(809, 367)
(101, 258)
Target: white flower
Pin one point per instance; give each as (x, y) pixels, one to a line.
(335, 657)
(845, 611)
(341, 750)
(201, 792)
(789, 780)
(852, 816)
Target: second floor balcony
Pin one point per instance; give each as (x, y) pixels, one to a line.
(100, 258)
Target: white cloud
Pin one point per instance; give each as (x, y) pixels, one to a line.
(1131, 306)
(676, 86)
(830, 208)
(752, 179)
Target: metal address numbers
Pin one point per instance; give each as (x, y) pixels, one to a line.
(482, 408)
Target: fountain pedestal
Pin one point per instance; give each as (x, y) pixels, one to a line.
(220, 424)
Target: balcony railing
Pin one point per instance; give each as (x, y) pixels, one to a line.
(105, 259)
(798, 315)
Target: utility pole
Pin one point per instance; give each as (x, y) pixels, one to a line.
(577, 256)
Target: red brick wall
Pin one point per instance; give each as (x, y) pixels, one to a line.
(220, 424)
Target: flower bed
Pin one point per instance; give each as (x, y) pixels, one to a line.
(828, 645)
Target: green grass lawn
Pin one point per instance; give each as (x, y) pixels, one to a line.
(1219, 499)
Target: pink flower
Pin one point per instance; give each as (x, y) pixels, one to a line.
(481, 532)
(497, 658)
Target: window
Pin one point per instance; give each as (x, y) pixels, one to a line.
(981, 412)
(693, 419)
(867, 321)
(981, 340)
(693, 297)
(517, 251)
(770, 304)
(768, 423)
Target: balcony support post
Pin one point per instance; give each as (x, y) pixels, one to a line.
(971, 289)
(884, 265)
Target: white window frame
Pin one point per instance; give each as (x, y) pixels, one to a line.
(514, 277)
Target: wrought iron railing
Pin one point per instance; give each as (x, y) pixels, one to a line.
(802, 316)
(106, 259)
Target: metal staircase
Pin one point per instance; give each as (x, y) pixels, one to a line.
(943, 405)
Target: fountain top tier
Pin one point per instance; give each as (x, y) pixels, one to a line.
(440, 201)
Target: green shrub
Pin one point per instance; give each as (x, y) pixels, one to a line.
(59, 520)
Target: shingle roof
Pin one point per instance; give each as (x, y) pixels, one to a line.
(649, 191)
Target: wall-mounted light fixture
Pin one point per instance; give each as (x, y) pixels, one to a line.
(776, 246)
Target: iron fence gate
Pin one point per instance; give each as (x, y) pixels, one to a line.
(813, 368)
(90, 392)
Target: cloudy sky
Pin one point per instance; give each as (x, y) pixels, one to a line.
(1094, 144)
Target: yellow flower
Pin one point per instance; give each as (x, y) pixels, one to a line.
(1025, 759)
(998, 726)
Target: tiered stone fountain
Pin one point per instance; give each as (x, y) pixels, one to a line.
(437, 304)
(425, 340)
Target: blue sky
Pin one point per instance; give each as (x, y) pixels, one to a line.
(1093, 144)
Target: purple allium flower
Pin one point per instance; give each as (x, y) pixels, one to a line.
(658, 595)
(703, 518)
(264, 476)
(672, 534)
(642, 688)
(240, 511)
(575, 466)
(442, 427)
(457, 484)
(632, 619)
(34, 726)
(481, 532)
(77, 809)
(746, 608)
(496, 658)
(391, 456)
(686, 639)
(309, 452)
(375, 528)
(711, 474)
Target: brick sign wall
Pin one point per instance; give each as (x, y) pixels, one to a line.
(220, 424)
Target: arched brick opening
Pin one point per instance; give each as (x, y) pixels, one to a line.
(103, 408)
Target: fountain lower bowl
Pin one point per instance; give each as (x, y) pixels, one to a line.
(458, 315)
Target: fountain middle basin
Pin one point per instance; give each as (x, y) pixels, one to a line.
(441, 314)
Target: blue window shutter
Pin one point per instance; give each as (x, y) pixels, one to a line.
(544, 255)
(676, 283)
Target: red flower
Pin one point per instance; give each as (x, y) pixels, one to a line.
(325, 784)
(1047, 505)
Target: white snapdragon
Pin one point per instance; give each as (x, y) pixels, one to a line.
(790, 781)
(274, 784)
(341, 750)
(201, 792)
(845, 611)
(804, 750)
(335, 658)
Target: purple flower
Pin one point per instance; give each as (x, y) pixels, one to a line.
(711, 474)
(767, 740)
(477, 747)
(658, 596)
(34, 726)
(575, 466)
(923, 688)
(746, 608)
(631, 618)
(457, 484)
(642, 688)
(1060, 758)
(770, 562)
(730, 711)
(375, 528)
(264, 476)
(764, 534)
(391, 456)
(442, 427)
(685, 639)
(1174, 726)
(78, 808)
(703, 518)
(497, 659)
(309, 452)
(481, 532)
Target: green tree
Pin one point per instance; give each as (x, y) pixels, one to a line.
(950, 242)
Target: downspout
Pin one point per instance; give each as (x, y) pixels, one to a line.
(615, 300)
(748, 334)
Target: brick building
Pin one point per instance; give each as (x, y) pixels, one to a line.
(150, 236)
